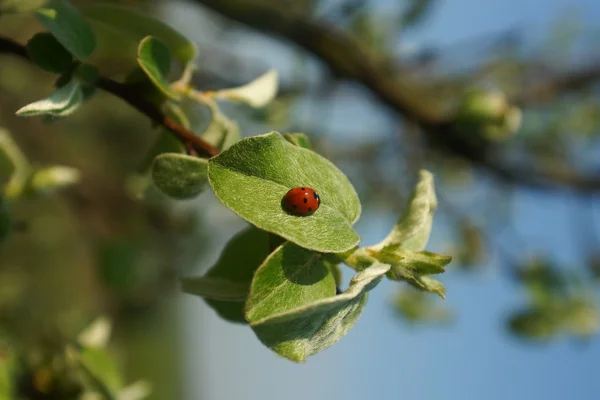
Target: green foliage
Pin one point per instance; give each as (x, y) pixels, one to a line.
(46, 52)
(180, 176)
(266, 167)
(257, 93)
(62, 102)
(308, 328)
(154, 58)
(69, 27)
(138, 26)
(20, 6)
(49, 179)
(221, 132)
(417, 307)
(298, 139)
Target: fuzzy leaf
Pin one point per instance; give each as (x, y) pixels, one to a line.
(60, 103)
(414, 226)
(298, 139)
(47, 53)
(69, 27)
(240, 258)
(307, 329)
(178, 175)
(257, 93)
(252, 177)
(155, 59)
(290, 277)
(138, 26)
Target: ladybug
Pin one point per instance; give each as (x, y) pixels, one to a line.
(302, 201)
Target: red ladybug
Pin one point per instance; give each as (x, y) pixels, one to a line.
(301, 201)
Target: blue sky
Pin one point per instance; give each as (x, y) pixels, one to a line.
(382, 358)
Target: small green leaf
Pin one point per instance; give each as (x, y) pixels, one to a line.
(47, 53)
(136, 391)
(428, 285)
(240, 258)
(298, 139)
(46, 180)
(252, 177)
(290, 277)
(155, 59)
(179, 176)
(97, 334)
(102, 369)
(14, 167)
(138, 26)
(414, 226)
(20, 6)
(312, 327)
(416, 306)
(69, 27)
(60, 103)
(257, 93)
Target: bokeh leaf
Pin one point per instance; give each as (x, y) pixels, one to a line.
(290, 277)
(20, 6)
(298, 139)
(222, 132)
(240, 258)
(60, 103)
(97, 334)
(252, 177)
(179, 176)
(308, 329)
(257, 93)
(49, 179)
(69, 27)
(155, 59)
(138, 26)
(47, 53)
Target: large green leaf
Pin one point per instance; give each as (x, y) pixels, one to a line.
(46, 52)
(305, 330)
(138, 26)
(60, 103)
(257, 93)
(69, 27)
(179, 176)
(253, 176)
(290, 277)
(155, 59)
(222, 286)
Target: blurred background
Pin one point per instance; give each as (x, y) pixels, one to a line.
(518, 204)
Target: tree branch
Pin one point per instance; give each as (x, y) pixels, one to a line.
(349, 59)
(124, 92)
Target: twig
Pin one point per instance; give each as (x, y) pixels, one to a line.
(130, 96)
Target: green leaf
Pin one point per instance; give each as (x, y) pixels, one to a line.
(14, 166)
(298, 139)
(252, 177)
(290, 277)
(47, 180)
(240, 258)
(103, 370)
(136, 391)
(428, 285)
(179, 176)
(257, 93)
(155, 59)
(97, 334)
(414, 226)
(305, 330)
(69, 27)
(138, 26)
(47, 53)
(20, 6)
(60, 103)
(417, 306)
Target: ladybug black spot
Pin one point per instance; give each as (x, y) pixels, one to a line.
(294, 206)
(305, 200)
(302, 188)
(309, 209)
(315, 195)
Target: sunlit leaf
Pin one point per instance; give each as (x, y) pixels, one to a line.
(97, 334)
(300, 332)
(298, 139)
(49, 179)
(257, 93)
(69, 27)
(62, 102)
(253, 175)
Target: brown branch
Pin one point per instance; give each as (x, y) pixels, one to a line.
(349, 59)
(130, 96)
